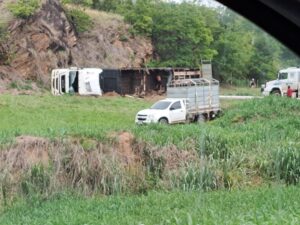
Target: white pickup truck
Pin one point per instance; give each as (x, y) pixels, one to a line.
(286, 77)
(188, 101)
(164, 111)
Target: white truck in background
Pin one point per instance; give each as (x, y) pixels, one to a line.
(286, 77)
(84, 81)
(188, 100)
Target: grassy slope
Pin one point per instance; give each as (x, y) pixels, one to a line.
(251, 134)
(260, 206)
(50, 116)
(247, 134)
(248, 127)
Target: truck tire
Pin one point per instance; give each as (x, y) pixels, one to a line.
(200, 118)
(163, 120)
(276, 93)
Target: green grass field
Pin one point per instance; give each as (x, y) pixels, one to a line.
(49, 116)
(242, 91)
(255, 143)
(271, 206)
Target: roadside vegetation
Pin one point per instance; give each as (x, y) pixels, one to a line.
(272, 206)
(240, 90)
(91, 146)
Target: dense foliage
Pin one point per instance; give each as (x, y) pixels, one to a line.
(186, 33)
(81, 21)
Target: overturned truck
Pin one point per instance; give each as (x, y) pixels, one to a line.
(130, 81)
(96, 81)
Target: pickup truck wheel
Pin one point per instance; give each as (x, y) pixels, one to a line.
(201, 118)
(163, 121)
(276, 93)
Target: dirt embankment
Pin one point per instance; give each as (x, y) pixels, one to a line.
(122, 165)
(48, 40)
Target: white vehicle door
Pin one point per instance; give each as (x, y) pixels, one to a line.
(177, 112)
(89, 83)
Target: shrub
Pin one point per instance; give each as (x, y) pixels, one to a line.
(197, 177)
(143, 25)
(123, 38)
(216, 145)
(24, 8)
(81, 21)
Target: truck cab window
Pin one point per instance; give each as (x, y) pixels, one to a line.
(73, 81)
(161, 105)
(283, 76)
(63, 83)
(176, 105)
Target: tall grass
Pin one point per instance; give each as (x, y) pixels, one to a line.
(260, 206)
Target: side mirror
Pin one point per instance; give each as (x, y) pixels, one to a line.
(172, 108)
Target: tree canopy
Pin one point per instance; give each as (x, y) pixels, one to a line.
(185, 33)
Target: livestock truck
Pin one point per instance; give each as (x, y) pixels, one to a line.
(188, 100)
(286, 77)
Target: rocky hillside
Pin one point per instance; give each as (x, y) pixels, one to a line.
(48, 40)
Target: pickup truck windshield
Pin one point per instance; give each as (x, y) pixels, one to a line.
(282, 76)
(161, 105)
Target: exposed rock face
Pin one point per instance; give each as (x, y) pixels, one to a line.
(40, 43)
(48, 40)
(109, 45)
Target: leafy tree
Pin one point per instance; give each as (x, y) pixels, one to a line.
(107, 5)
(180, 35)
(140, 15)
(184, 33)
(265, 60)
(235, 49)
(81, 21)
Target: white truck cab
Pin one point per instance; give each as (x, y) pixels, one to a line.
(85, 81)
(165, 111)
(286, 77)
